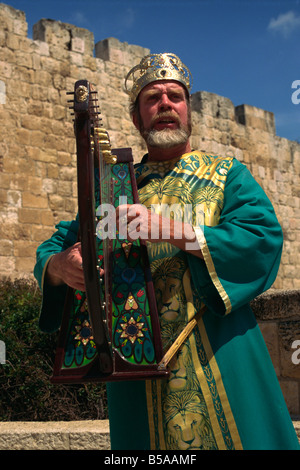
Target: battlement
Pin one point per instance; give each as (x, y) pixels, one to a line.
(64, 36)
(61, 37)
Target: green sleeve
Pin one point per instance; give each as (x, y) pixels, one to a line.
(242, 253)
(53, 296)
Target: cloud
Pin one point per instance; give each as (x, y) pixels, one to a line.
(129, 18)
(79, 19)
(285, 23)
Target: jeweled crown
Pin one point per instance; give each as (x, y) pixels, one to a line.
(155, 67)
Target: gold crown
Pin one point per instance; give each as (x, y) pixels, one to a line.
(155, 67)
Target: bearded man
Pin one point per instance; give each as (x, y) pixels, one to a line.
(222, 254)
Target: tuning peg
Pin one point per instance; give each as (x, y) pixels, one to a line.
(105, 144)
(101, 133)
(109, 158)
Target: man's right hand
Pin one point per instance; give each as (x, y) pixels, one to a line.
(66, 268)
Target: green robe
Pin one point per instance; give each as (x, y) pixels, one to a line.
(222, 392)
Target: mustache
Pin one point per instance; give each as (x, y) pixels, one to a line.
(167, 115)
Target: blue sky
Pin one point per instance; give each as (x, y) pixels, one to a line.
(247, 51)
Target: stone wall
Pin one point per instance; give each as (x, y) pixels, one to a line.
(278, 313)
(37, 147)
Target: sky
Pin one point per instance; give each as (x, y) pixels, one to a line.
(247, 51)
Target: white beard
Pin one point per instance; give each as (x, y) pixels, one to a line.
(166, 138)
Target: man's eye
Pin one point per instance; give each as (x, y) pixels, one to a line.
(152, 98)
(176, 97)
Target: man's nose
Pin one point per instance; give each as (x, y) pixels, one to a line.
(165, 103)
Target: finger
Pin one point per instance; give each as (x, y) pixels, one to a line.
(101, 272)
(75, 278)
(122, 211)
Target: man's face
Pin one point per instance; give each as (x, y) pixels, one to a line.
(164, 114)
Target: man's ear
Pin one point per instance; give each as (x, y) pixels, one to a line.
(135, 121)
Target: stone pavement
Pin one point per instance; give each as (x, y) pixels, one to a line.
(62, 435)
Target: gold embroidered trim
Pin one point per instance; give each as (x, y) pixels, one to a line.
(220, 387)
(207, 396)
(44, 272)
(155, 429)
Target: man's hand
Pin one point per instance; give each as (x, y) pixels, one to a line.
(66, 268)
(136, 221)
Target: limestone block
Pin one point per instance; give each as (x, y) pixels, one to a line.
(24, 248)
(22, 73)
(48, 186)
(296, 284)
(34, 201)
(12, 167)
(76, 59)
(91, 65)
(40, 234)
(23, 90)
(296, 161)
(289, 331)
(13, 41)
(2, 92)
(37, 139)
(13, 20)
(39, 93)
(74, 435)
(277, 305)
(77, 45)
(14, 198)
(47, 219)
(71, 206)
(255, 117)
(68, 36)
(52, 32)
(56, 202)
(41, 48)
(67, 174)
(214, 105)
(14, 231)
(3, 197)
(6, 248)
(290, 390)
(25, 265)
(2, 38)
(43, 77)
(111, 49)
(64, 158)
(29, 216)
(8, 265)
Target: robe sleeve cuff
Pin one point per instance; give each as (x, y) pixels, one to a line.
(211, 268)
(53, 298)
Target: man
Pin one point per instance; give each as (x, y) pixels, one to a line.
(220, 247)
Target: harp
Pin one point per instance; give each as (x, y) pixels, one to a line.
(111, 331)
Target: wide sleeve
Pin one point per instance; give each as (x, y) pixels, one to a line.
(242, 253)
(53, 297)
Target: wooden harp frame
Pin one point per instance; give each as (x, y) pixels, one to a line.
(103, 336)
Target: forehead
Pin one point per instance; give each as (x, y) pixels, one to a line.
(162, 86)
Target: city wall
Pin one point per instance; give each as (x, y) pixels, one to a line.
(38, 160)
(37, 146)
